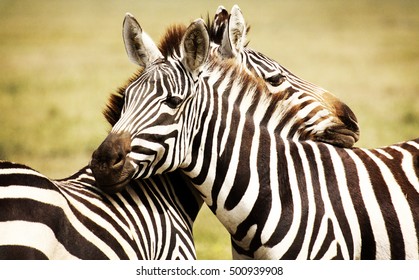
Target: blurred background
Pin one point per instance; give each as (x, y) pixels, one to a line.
(60, 60)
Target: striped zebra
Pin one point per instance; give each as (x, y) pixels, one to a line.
(309, 112)
(279, 198)
(69, 199)
(314, 113)
(330, 121)
(72, 219)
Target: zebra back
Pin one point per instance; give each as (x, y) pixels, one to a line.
(72, 219)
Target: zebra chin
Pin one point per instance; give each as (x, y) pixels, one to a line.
(111, 165)
(110, 187)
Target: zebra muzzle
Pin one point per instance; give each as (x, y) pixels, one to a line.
(110, 164)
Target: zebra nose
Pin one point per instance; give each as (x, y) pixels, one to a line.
(349, 132)
(109, 163)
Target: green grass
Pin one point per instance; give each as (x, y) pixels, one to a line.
(59, 60)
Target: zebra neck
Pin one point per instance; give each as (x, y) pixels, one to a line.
(234, 135)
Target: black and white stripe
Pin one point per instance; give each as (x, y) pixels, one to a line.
(278, 197)
(72, 219)
(319, 115)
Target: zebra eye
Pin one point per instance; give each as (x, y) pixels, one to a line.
(173, 101)
(276, 80)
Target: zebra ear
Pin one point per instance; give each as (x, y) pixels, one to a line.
(139, 46)
(219, 25)
(195, 46)
(234, 35)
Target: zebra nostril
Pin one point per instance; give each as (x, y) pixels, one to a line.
(119, 160)
(109, 160)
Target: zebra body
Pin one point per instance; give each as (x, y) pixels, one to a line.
(344, 203)
(72, 219)
(278, 198)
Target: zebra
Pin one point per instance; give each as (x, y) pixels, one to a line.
(311, 112)
(279, 198)
(71, 218)
(331, 121)
(317, 120)
(70, 195)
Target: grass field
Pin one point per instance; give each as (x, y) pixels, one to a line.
(59, 60)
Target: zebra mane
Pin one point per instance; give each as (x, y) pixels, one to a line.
(170, 43)
(113, 109)
(255, 84)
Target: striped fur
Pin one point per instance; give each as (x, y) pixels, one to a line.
(317, 114)
(328, 119)
(279, 198)
(72, 219)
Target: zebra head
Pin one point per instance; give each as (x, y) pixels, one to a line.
(331, 121)
(140, 142)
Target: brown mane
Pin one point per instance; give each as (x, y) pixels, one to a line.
(113, 109)
(170, 43)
